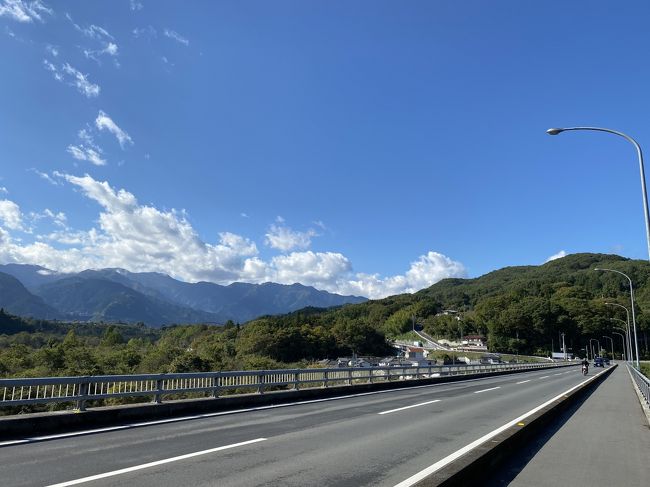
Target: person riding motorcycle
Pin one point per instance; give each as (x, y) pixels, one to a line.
(585, 366)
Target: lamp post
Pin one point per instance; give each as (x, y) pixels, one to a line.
(644, 193)
(563, 347)
(628, 333)
(628, 353)
(622, 340)
(597, 348)
(611, 340)
(636, 341)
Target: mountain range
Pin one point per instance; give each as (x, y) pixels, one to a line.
(117, 295)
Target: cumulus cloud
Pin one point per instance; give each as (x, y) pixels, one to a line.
(136, 5)
(104, 122)
(24, 10)
(283, 238)
(176, 36)
(10, 215)
(143, 238)
(559, 255)
(53, 50)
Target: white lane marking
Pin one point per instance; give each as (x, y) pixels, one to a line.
(523, 381)
(13, 442)
(545, 377)
(485, 390)
(232, 411)
(467, 448)
(557, 374)
(153, 464)
(409, 407)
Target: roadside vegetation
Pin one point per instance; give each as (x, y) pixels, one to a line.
(520, 310)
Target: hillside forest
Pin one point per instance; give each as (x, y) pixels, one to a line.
(518, 309)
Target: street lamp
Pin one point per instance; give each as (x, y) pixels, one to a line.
(627, 338)
(636, 341)
(611, 340)
(556, 131)
(597, 348)
(623, 340)
(629, 334)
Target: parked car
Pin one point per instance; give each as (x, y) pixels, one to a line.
(599, 362)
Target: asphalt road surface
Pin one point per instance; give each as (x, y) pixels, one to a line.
(373, 439)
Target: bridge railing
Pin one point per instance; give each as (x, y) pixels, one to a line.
(642, 382)
(156, 387)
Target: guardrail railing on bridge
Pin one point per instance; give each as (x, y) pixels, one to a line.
(642, 382)
(80, 390)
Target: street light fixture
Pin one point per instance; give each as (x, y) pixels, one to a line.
(556, 131)
(636, 341)
(629, 334)
(597, 348)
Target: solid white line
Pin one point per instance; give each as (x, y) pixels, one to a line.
(490, 389)
(467, 448)
(409, 407)
(524, 381)
(153, 464)
(13, 442)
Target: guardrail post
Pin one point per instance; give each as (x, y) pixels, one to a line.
(83, 394)
(296, 381)
(349, 377)
(216, 386)
(260, 386)
(326, 379)
(157, 397)
(370, 375)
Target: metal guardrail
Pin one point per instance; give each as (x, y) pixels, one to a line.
(642, 382)
(80, 390)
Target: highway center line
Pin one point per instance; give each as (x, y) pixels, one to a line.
(490, 389)
(545, 377)
(153, 464)
(523, 381)
(409, 407)
(414, 479)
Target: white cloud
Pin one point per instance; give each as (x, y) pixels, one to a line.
(559, 255)
(53, 50)
(147, 32)
(24, 10)
(10, 215)
(143, 238)
(46, 177)
(59, 218)
(103, 121)
(83, 153)
(75, 78)
(136, 5)
(93, 31)
(176, 36)
(4, 190)
(284, 238)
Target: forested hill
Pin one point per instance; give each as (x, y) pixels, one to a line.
(518, 308)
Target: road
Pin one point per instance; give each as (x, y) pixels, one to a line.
(374, 439)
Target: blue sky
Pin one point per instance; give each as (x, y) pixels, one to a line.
(362, 147)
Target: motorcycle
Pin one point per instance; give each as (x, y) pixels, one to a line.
(585, 369)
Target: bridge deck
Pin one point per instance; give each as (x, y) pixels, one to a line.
(603, 441)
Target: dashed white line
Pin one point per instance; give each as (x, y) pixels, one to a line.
(523, 381)
(153, 464)
(409, 407)
(485, 390)
(545, 377)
